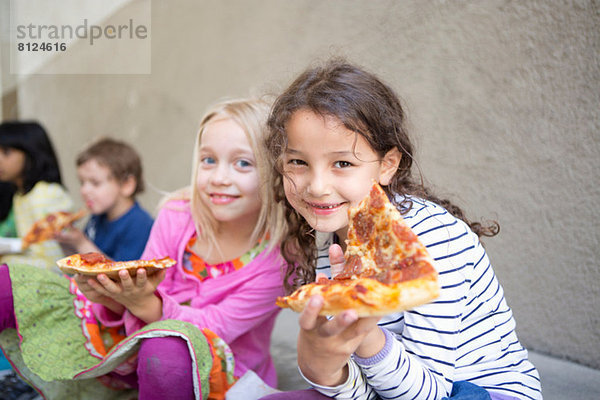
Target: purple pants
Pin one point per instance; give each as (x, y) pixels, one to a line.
(164, 364)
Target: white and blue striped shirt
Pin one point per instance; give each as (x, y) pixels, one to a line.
(467, 334)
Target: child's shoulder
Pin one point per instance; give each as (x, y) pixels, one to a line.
(48, 188)
(139, 215)
(417, 207)
(424, 215)
(175, 208)
(48, 192)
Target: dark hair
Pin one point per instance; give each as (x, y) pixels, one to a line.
(7, 191)
(119, 157)
(367, 106)
(41, 163)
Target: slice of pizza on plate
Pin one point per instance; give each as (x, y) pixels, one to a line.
(387, 269)
(95, 263)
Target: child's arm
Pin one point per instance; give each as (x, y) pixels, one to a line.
(76, 240)
(324, 347)
(380, 363)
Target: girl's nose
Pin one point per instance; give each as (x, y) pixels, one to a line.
(318, 185)
(221, 176)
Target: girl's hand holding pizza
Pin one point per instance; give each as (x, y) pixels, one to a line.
(325, 346)
(114, 287)
(137, 293)
(87, 285)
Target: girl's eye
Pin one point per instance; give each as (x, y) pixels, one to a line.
(342, 164)
(243, 164)
(207, 160)
(295, 161)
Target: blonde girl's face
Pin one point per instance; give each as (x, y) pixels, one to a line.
(12, 163)
(227, 178)
(328, 169)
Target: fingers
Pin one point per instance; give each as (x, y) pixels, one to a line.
(339, 324)
(141, 278)
(336, 254)
(130, 283)
(336, 259)
(107, 286)
(309, 316)
(80, 279)
(319, 276)
(310, 320)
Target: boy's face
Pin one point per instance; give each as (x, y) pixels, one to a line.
(100, 190)
(328, 169)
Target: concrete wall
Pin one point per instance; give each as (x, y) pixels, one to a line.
(503, 99)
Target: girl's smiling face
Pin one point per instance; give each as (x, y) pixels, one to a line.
(329, 168)
(227, 177)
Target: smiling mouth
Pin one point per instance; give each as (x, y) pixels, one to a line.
(325, 206)
(222, 199)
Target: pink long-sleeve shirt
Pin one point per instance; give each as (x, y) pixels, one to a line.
(239, 307)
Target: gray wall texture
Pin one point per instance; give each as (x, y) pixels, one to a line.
(503, 99)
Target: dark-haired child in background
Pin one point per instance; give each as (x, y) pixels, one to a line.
(29, 169)
(30, 188)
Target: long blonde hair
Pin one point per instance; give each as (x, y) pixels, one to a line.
(251, 116)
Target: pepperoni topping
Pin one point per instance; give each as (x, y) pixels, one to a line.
(363, 226)
(93, 258)
(375, 200)
(403, 232)
(360, 288)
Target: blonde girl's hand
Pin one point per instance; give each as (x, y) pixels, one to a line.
(324, 346)
(137, 293)
(88, 286)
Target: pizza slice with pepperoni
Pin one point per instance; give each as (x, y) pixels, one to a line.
(51, 224)
(96, 263)
(387, 269)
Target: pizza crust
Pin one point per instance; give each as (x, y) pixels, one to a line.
(75, 264)
(378, 300)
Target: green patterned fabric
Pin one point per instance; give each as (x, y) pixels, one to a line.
(52, 355)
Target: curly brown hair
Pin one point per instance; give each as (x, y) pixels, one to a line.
(367, 106)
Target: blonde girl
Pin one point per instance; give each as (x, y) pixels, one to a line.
(206, 321)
